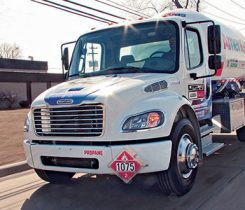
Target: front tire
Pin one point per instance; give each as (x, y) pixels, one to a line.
(180, 176)
(54, 177)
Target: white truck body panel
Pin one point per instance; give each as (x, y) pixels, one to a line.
(232, 44)
(110, 91)
(233, 54)
(152, 155)
(123, 96)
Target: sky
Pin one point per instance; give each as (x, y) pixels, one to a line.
(229, 12)
(40, 30)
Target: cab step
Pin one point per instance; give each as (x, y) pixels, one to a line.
(209, 147)
(206, 130)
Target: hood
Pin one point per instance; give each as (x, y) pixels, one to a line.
(99, 87)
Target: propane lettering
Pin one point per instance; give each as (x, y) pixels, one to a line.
(93, 152)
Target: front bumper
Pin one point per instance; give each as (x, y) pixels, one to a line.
(155, 156)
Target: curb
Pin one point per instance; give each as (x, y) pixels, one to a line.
(13, 168)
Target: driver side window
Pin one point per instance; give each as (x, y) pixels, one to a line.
(193, 49)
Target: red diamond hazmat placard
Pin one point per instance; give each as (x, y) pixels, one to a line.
(126, 165)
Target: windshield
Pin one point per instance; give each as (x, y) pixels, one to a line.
(144, 47)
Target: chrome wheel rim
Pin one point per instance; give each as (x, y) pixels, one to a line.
(187, 156)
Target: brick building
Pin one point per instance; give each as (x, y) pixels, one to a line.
(21, 81)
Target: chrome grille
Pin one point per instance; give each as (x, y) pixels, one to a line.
(84, 121)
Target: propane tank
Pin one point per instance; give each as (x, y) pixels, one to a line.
(233, 54)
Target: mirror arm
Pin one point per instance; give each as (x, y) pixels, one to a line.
(195, 77)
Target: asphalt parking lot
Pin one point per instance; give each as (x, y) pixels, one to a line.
(220, 185)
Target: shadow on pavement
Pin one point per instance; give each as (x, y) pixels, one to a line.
(100, 192)
(110, 193)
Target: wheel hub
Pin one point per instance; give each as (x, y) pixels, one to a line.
(192, 156)
(187, 156)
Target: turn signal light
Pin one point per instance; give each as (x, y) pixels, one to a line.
(143, 121)
(153, 119)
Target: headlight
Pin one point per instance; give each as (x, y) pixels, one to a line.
(144, 121)
(27, 122)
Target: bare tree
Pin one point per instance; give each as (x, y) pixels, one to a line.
(187, 4)
(10, 51)
(151, 7)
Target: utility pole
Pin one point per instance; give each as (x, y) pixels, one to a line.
(93, 53)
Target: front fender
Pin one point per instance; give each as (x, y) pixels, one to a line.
(167, 102)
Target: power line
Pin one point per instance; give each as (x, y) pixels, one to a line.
(123, 8)
(223, 11)
(224, 18)
(97, 10)
(82, 15)
(128, 8)
(86, 13)
(239, 5)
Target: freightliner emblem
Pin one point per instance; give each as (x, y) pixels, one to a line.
(65, 101)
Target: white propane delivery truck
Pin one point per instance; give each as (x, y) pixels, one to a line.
(141, 98)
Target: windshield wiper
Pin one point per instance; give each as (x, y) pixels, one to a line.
(73, 75)
(117, 70)
(123, 69)
(80, 75)
(132, 69)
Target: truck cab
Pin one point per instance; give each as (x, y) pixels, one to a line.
(138, 99)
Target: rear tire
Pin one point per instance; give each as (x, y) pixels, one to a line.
(180, 176)
(241, 134)
(54, 177)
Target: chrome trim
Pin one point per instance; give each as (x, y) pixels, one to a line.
(65, 101)
(78, 122)
(187, 156)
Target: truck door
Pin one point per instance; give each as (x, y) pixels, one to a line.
(197, 91)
